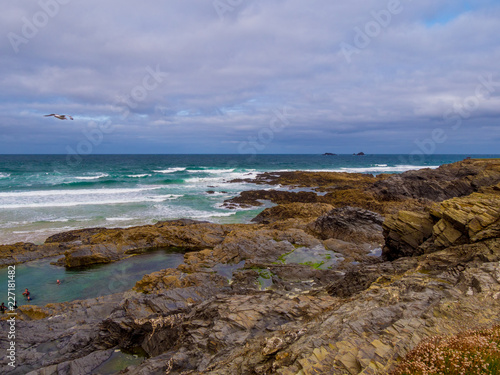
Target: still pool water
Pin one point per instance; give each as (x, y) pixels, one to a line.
(117, 362)
(40, 277)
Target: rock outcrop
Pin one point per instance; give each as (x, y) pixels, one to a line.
(447, 181)
(302, 292)
(404, 232)
(97, 245)
(458, 221)
(385, 194)
(24, 252)
(295, 210)
(253, 198)
(349, 224)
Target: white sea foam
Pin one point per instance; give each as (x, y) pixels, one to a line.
(378, 168)
(44, 230)
(213, 171)
(139, 175)
(170, 170)
(206, 179)
(225, 178)
(159, 198)
(4, 175)
(119, 218)
(217, 194)
(189, 213)
(76, 192)
(98, 176)
(11, 224)
(385, 169)
(236, 207)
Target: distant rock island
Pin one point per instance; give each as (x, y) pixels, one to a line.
(359, 154)
(329, 154)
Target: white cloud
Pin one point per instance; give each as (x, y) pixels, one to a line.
(226, 76)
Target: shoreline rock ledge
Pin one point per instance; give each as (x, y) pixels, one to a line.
(347, 281)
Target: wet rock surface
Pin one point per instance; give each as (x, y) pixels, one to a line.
(307, 290)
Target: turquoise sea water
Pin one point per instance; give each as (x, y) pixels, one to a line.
(45, 194)
(42, 194)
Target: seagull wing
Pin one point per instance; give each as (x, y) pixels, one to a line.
(71, 118)
(52, 114)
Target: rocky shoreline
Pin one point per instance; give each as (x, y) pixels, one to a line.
(345, 275)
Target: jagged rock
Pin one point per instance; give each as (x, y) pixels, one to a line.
(456, 221)
(94, 246)
(33, 312)
(470, 219)
(81, 235)
(445, 234)
(92, 254)
(24, 252)
(252, 197)
(161, 281)
(349, 224)
(292, 211)
(259, 245)
(338, 180)
(404, 233)
(353, 252)
(389, 310)
(447, 181)
(80, 366)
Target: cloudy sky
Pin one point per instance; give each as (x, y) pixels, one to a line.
(237, 76)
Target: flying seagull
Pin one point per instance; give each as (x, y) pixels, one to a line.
(60, 117)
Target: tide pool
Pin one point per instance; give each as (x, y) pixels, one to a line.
(40, 277)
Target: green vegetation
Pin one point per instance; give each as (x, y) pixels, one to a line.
(469, 353)
(282, 258)
(320, 259)
(314, 265)
(265, 279)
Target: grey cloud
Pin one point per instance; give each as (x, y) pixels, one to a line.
(224, 77)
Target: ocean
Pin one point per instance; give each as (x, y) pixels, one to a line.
(45, 194)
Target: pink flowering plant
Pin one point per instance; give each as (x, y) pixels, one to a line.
(468, 353)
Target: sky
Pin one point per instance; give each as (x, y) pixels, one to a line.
(250, 76)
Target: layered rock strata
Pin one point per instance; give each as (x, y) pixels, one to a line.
(307, 290)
